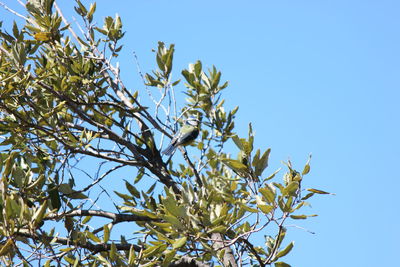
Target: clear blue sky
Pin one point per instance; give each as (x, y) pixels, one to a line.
(320, 77)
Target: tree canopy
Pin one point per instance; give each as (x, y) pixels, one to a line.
(69, 124)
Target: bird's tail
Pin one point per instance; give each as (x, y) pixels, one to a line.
(169, 150)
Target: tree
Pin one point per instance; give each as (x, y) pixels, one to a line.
(69, 124)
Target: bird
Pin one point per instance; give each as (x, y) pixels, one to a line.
(186, 135)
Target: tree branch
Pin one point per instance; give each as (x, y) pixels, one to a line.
(229, 258)
(94, 248)
(99, 213)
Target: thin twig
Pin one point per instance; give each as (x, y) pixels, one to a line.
(15, 12)
(66, 23)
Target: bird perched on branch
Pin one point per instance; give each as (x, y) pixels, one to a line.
(186, 135)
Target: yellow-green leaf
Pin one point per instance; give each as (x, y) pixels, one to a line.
(307, 167)
(93, 237)
(265, 208)
(285, 251)
(39, 214)
(106, 235)
(86, 219)
(42, 36)
(169, 255)
(6, 247)
(132, 255)
(134, 192)
(262, 163)
(218, 229)
(113, 251)
(281, 264)
(291, 189)
(298, 217)
(179, 242)
(249, 209)
(235, 165)
(317, 191)
(268, 193)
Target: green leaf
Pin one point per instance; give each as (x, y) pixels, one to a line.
(92, 9)
(218, 229)
(38, 183)
(69, 260)
(263, 206)
(247, 208)
(174, 221)
(268, 193)
(92, 236)
(306, 169)
(132, 189)
(151, 188)
(82, 9)
(307, 196)
(54, 197)
(317, 191)
(179, 242)
(76, 262)
(285, 251)
(106, 235)
(272, 175)
(42, 36)
(291, 189)
(77, 195)
(298, 217)
(18, 176)
(39, 214)
(301, 204)
(171, 207)
(139, 176)
(281, 264)
(86, 219)
(123, 196)
(65, 189)
(288, 204)
(266, 209)
(235, 165)
(70, 193)
(151, 251)
(169, 256)
(251, 138)
(132, 256)
(7, 247)
(113, 251)
(307, 166)
(237, 142)
(262, 164)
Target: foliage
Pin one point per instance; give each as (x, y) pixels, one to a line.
(62, 102)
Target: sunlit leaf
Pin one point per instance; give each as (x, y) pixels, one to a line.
(39, 214)
(317, 191)
(281, 264)
(7, 247)
(113, 251)
(169, 256)
(306, 169)
(285, 251)
(42, 36)
(268, 193)
(106, 235)
(291, 189)
(179, 242)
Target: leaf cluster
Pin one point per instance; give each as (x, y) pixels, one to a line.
(64, 109)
